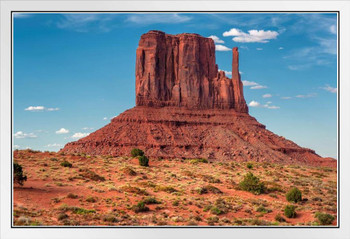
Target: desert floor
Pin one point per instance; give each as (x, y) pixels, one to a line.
(105, 191)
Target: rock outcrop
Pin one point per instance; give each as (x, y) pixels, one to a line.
(180, 70)
(186, 108)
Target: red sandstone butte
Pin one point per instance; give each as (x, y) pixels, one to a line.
(186, 108)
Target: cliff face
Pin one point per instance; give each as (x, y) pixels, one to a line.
(186, 108)
(180, 70)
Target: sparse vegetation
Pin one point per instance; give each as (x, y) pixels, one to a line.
(289, 211)
(324, 218)
(115, 191)
(140, 207)
(137, 152)
(66, 164)
(143, 161)
(294, 195)
(252, 184)
(86, 173)
(249, 165)
(198, 160)
(18, 176)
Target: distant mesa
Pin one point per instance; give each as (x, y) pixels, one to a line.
(187, 108)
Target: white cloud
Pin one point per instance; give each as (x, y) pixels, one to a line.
(258, 87)
(227, 73)
(40, 108)
(105, 118)
(260, 36)
(333, 29)
(85, 22)
(62, 131)
(22, 135)
(330, 89)
(54, 145)
(79, 135)
(273, 107)
(87, 128)
(259, 49)
(267, 96)
(216, 39)
(310, 95)
(222, 48)
(249, 83)
(254, 104)
(52, 109)
(150, 18)
(35, 108)
(286, 98)
(254, 85)
(280, 48)
(16, 146)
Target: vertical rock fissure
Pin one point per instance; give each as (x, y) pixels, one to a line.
(181, 71)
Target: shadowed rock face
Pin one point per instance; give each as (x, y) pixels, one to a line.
(180, 70)
(186, 108)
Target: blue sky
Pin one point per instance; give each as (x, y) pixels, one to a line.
(74, 72)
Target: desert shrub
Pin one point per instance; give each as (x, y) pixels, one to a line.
(151, 200)
(137, 152)
(62, 216)
(86, 173)
(252, 184)
(140, 207)
(199, 160)
(324, 218)
(249, 165)
(294, 195)
(109, 218)
(72, 195)
(67, 164)
(18, 176)
(279, 218)
(262, 209)
(129, 171)
(131, 189)
(201, 190)
(143, 161)
(91, 199)
(216, 211)
(289, 211)
(168, 189)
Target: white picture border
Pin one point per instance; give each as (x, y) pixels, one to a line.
(6, 231)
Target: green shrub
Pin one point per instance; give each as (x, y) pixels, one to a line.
(216, 211)
(252, 184)
(151, 200)
(86, 173)
(62, 216)
(72, 195)
(324, 218)
(279, 218)
(137, 152)
(140, 207)
(66, 164)
(249, 165)
(199, 160)
(294, 195)
(91, 199)
(143, 161)
(18, 176)
(289, 211)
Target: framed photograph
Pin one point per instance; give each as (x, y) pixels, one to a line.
(154, 119)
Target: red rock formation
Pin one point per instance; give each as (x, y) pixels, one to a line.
(180, 70)
(185, 108)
